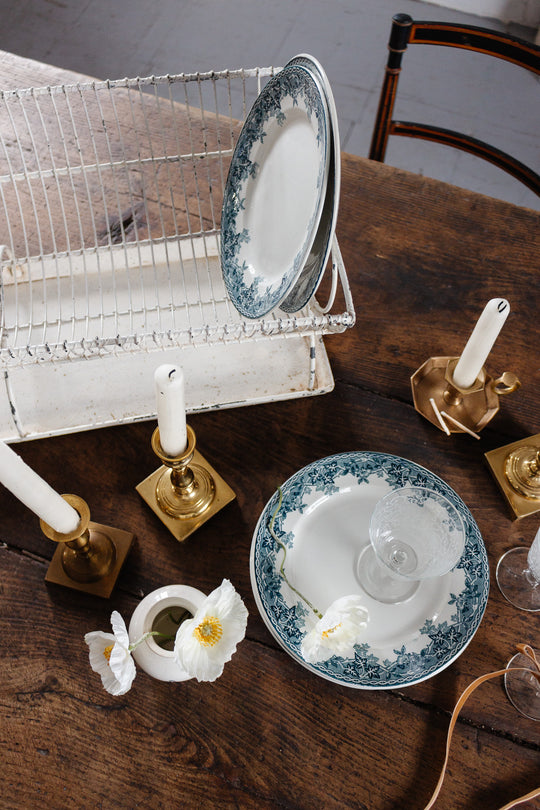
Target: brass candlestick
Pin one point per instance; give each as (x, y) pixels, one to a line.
(186, 490)
(516, 469)
(90, 557)
(452, 408)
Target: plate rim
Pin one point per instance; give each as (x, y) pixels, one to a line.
(473, 538)
(314, 66)
(232, 205)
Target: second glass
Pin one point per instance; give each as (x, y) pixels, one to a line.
(518, 576)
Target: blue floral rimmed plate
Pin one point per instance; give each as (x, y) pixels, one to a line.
(275, 191)
(324, 523)
(315, 264)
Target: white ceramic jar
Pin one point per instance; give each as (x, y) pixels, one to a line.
(156, 661)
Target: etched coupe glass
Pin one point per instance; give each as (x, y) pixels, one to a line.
(415, 533)
(518, 576)
(522, 684)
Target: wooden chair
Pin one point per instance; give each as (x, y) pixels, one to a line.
(405, 31)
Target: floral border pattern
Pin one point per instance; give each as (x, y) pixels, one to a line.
(443, 640)
(315, 264)
(296, 83)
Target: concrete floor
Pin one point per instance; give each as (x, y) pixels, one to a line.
(469, 92)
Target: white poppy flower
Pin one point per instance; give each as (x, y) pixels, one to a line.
(336, 633)
(110, 656)
(206, 642)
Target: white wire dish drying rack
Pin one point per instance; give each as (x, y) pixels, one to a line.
(110, 203)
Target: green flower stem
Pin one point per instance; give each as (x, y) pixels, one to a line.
(164, 636)
(282, 545)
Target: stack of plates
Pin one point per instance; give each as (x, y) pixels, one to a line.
(323, 522)
(282, 193)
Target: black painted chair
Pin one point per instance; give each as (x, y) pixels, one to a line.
(405, 31)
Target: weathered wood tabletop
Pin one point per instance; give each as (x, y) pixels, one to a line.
(422, 258)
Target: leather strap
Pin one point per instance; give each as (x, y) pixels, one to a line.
(525, 649)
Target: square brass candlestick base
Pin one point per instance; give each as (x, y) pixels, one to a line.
(122, 542)
(182, 527)
(502, 463)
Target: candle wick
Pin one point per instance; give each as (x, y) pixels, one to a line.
(501, 306)
(171, 372)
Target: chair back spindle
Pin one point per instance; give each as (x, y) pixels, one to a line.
(404, 32)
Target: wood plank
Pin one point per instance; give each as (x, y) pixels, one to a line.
(424, 258)
(364, 421)
(267, 734)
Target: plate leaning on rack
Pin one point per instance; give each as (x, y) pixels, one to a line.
(315, 264)
(324, 523)
(275, 191)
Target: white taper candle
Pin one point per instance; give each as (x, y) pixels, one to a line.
(34, 492)
(171, 409)
(481, 342)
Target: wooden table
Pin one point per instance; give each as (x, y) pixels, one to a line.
(423, 258)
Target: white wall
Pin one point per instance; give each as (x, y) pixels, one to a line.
(524, 12)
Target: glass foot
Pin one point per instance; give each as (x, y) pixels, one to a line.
(378, 582)
(522, 688)
(516, 582)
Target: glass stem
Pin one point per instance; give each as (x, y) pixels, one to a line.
(531, 579)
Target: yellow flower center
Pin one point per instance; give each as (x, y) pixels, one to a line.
(107, 652)
(326, 633)
(209, 631)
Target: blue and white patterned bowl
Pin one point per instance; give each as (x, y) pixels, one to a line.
(324, 523)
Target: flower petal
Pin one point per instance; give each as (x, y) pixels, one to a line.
(122, 667)
(199, 662)
(337, 632)
(119, 629)
(110, 657)
(97, 642)
(205, 659)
